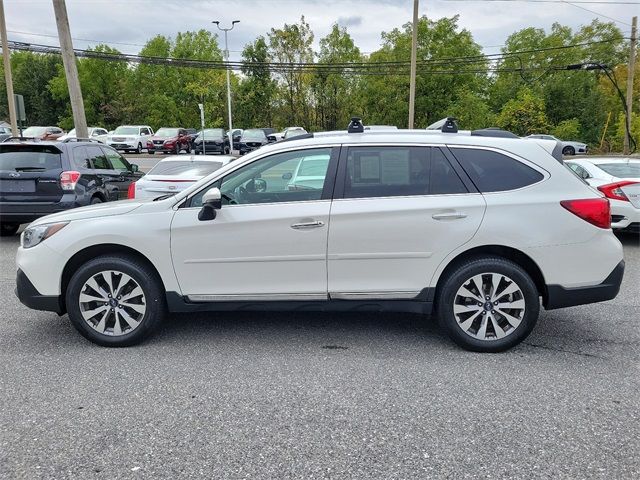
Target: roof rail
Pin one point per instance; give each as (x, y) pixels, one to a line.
(493, 132)
(76, 139)
(20, 139)
(297, 137)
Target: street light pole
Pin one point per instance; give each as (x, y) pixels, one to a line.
(412, 74)
(226, 57)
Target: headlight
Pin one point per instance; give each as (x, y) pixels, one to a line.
(32, 236)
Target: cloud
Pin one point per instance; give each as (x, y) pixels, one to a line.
(353, 21)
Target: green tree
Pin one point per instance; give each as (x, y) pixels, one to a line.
(472, 111)
(336, 90)
(567, 129)
(524, 115)
(437, 85)
(258, 89)
(292, 44)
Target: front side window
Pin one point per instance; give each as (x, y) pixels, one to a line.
(272, 179)
(399, 171)
(494, 172)
(116, 160)
(98, 158)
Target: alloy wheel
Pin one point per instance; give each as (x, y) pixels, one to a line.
(489, 306)
(112, 303)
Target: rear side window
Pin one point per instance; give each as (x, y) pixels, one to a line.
(29, 158)
(621, 170)
(80, 157)
(98, 159)
(399, 171)
(494, 172)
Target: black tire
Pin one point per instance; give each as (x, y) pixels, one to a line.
(146, 278)
(482, 265)
(177, 150)
(9, 229)
(95, 200)
(226, 150)
(138, 149)
(152, 152)
(568, 151)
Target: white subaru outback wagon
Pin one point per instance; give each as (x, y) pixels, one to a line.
(476, 229)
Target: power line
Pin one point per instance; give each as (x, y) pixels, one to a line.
(599, 2)
(596, 13)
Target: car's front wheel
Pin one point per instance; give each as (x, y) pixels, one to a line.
(488, 304)
(9, 229)
(115, 301)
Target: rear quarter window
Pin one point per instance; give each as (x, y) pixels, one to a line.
(494, 172)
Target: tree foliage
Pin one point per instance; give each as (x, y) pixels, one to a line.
(528, 89)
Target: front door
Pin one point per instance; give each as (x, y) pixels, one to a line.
(397, 212)
(267, 242)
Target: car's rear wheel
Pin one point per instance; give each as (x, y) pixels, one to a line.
(177, 149)
(568, 151)
(9, 229)
(96, 200)
(139, 148)
(488, 304)
(115, 301)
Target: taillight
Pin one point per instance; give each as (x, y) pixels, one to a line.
(69, 180)
(614, 190)
(131, 191)
(596, 211)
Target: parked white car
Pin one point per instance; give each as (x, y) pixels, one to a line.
(95, 133)
(130, 138)
(479, 230)
(291, 132)
(619, 180)
(176, 173)
(569, 147)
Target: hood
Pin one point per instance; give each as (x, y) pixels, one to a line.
(164, 139)
(92, 211)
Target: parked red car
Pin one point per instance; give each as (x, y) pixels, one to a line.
(169, 140)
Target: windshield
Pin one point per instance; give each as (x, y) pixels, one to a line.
(126, 131)
(253, 135)
(167, 132)
(29, 158)
(195, 168)
(621, 170)
(212, 134)
(34, 131)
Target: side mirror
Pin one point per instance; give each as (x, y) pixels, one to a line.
(134, 168)
(271, 138)
(287, 176)
(211, 201)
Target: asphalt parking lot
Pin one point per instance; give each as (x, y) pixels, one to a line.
(312, 395)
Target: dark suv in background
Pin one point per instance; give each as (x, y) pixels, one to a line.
(40, 178)
(215, 141)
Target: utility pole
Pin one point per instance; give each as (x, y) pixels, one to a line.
(70, 69)
(226, 57)
(8, 78)
(414, 55)
(630, 72)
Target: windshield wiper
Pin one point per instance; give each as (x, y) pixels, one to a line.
(29, 169)
(164, 197)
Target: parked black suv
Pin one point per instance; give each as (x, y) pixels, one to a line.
(216, 141)
(38, 178)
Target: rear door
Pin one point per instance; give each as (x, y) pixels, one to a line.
(398, 211)
(30, 174)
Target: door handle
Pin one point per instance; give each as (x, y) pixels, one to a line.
(307, 225)
(449, 216)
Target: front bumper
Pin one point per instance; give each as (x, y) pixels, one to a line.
(123, 146)
(560, 297)
(209, 148)
(29, 296)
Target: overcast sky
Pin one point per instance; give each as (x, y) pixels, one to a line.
(127, 24)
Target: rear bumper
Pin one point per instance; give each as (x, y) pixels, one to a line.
(27, 212)
(30, 297)
(560, 297)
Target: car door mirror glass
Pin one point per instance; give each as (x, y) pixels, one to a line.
(134, 168)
